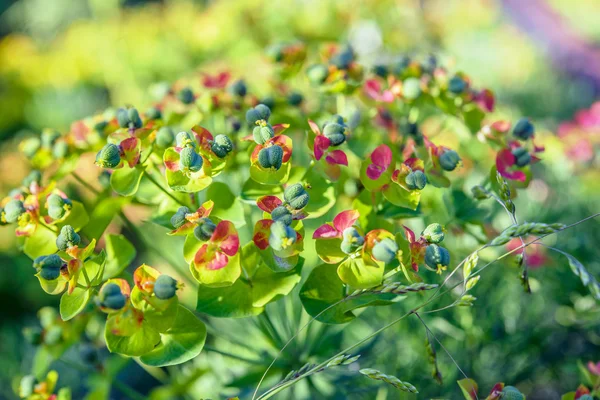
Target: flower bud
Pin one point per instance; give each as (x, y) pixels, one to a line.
(178, 219)
(222, 146)
(457, 85)
(258, 113)
(30, 146)
(67, 238)
(110, 296)
(352, 240)
(436, 256)
(522, 156)
(295, 99)
(263, 133)
(343, 58)
(238, 88)
(317, 74)
(109, 156)
(282, 236)
(411, 88)
(296, 196)
(13, 210)
(48, 266)
(335, 133)
(190, 160)
(34, 176)
(184, 139)
(416, 180)
(165, 287)
(512, 393)
(186, 96)
(385, 250)
(60, 149)
(164, 137)
(434, 233)
(282, 214)
(523, 129)
(57, 206)
(449, 160)
(271, 157)
(205, 229)
(153, 113)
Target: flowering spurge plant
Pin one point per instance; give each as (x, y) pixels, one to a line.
(251, 221)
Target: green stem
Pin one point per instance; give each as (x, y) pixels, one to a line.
(162, 189)
(85, 184)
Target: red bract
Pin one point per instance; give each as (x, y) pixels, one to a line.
(417, 248)
(381, 158)
(224, 243)
(218, 81)
(374, 90)
(504, 161)
(485, 100)
(343, 220)
(192, 219)
(131, 151)
(333, 158)
(594, 368)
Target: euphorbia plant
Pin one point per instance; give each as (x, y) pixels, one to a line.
(256, 217)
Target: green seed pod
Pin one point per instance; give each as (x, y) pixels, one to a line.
(110, 296)
(436, 255)
(281, 213)
(109, 156)
(343, 58)
(238, 88)
(190, 160)
(30, 146)
(522, 156)
(165, 287)
(295, 99)
(222, 146)
(512, 393)
(26, 386)
(335, 133)
(55, 200)
(434, 233)
(184, 139)
(60, 149)
(53, 335)
(263, 133)
(449, 160)
(13, 210)
(258, 113)
(416, 180)
(134, 118)
(296, 196)
(271, 157)
(317, 74)
(34, 176)
(153, 113)
(523, 129)
(56, 212)
(49, 137)
(186, 96)
(205, 229)
(33, 335)
(380, 70)
(67, 238)
(164, 137)
(352, 240)
(122, 118)
(178, 219)
(282, 236)
(48, 266)
(411, 88)
(457, 85)
(385, 250)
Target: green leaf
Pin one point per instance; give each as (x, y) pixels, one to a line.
(587, 279)
(568, 396)
(126, 181)
(361, 274)
(329, 250)
(120, 253)
(160, 318)
(270, 176)
(377, 184)
(469, 388)
(77, 217)
(103, 213)
(321, 192)
(323, 289)
(401, 197)
(252, 190)
(225, 276)
(227, 206)
(182, 342)
(278, 264)
(41, 243)
(53, 287)
(72, 304)
(142, 341)
(234, 301)
(191, 245)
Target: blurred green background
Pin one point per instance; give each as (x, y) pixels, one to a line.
(61, 60)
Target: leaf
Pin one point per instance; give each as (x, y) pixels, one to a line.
(142, 341)
(234, 301)
(182, 342)
(361, 274)
(126, 181)
(323, 288)
(41, 243)
(586, 278)
(278, 264)
(252, 190)
(329, 250)
(270, 176)
(321, 192)
(469, 388)
(102, 214)
(77, 217)
(227, 206)
(120, 253)
(225, 276)
(401, 197)
(72, 304)
(55, 286)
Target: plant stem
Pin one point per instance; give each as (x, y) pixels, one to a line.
(162, 189)
(85, 184)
